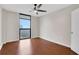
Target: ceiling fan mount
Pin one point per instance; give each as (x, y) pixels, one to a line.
(37, 8)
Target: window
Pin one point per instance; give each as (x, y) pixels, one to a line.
(24, 23)
(25, 29)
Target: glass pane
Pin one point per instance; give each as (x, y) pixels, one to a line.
(24, 34)
(24, 23)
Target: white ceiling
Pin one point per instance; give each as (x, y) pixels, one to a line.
(26, 8)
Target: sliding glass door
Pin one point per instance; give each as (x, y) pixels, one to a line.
(25, 26)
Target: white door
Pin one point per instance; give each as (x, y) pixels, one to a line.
(75, 31)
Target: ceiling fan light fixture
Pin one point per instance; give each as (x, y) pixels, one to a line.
(35, 11)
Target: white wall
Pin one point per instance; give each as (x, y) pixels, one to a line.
(4, 25)
(34, 27)
(10, 26)
(75, 30)
(0, 28)
(56, 26)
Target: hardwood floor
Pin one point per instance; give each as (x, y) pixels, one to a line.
(35, 47)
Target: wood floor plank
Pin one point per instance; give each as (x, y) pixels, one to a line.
(35, 46)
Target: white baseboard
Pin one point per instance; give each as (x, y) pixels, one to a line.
(11, 41)
(57, 42)
(6, 42)
(1, 46)
(75, 51)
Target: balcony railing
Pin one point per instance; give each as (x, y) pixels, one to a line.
(25, 33)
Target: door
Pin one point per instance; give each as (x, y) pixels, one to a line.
(25, 26)
(75, 31)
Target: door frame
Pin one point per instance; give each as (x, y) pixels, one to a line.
(25, 29)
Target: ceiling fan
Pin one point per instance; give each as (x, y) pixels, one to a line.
(37, 8)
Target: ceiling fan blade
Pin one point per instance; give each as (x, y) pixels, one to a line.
(39, 5)
(42, 11)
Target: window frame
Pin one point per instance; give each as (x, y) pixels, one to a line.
(25, 28)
